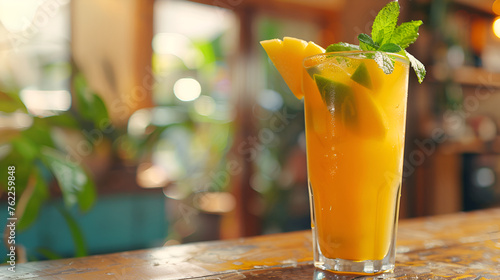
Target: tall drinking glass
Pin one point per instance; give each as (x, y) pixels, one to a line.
(355, 118)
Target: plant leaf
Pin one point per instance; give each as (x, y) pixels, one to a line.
(26, 147)
(417, 66)
(99, 111)
(23, 167)
(390, 47)
(406, 33)
(339, 47)
(90, 105)
(76, 233)
(31, 200)
(75, 184)
(366, 42)
(39, 133)
(83, 98)
(10, 103)
(64, 120)
(384, 62)
(385, 23)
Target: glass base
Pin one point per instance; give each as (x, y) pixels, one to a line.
(367, 267)
(344, 266)
(320, 274)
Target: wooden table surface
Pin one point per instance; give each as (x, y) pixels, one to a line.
(456, 246)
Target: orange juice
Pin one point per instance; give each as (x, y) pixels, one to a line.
(355, 128)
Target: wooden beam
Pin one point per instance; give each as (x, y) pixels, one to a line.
(111, 46)
(243, 221)
(312, 10)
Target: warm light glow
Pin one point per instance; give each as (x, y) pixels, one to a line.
(138, 122)
(496, 7)
(151, 176)
(180, 46)
(16, 120)
(174, 191)
(171, 43)
(496, 27)
(215, 202)
(165, 155)
(44, 103)
(196, 21)
(16, 16)
(205, 105)
(187, 89)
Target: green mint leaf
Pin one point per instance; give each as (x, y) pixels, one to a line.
(384, 62)
(390, 47)
(406, 33)
(340, 47)
(366, 47)
(366, 42)
(417, 66)
(385, 23)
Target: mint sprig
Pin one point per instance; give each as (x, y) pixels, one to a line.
(384, 62)
(406, 34)
(366, 42)
(390, 47)
(388, 37)
(417, 66)
(385, 23)
(342, 47)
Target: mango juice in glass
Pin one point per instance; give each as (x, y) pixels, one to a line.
(355, 130)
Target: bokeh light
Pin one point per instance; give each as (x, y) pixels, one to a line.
(16, 120)
(496, 7)
(16, 16)
(215, 202)
(44, 103)
(485, 177)
(205, 105)
(138, 122)
(496, 26)
(270, 100)
(151, 176)
(187, 89)
(180, 46)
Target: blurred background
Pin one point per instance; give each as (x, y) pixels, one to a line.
(137, 123)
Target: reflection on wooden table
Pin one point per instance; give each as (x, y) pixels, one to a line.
(456, 246)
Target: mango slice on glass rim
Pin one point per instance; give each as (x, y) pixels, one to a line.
(287, 56)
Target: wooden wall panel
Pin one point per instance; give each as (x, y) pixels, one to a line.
(111, 45)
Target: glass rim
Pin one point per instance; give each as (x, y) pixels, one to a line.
(397, 56)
